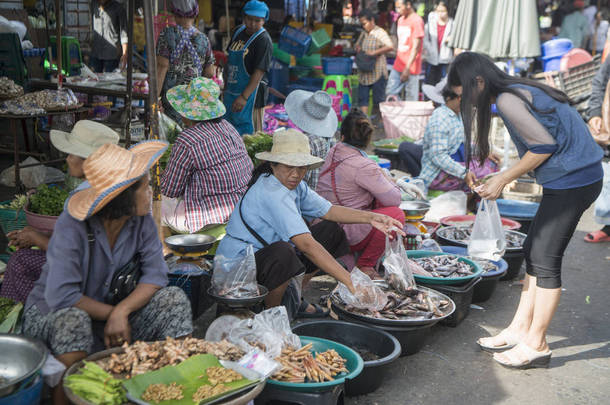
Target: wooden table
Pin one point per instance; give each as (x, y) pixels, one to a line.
(13, 119)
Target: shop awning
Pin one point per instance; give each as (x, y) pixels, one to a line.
(498, 28)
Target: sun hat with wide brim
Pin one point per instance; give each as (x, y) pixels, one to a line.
(86, 137)
(110, 170)
(198, 100)
(312, 112)
(291, 147)
(435, 93)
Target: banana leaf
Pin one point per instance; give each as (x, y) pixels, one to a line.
(186, 374)
(9, 323)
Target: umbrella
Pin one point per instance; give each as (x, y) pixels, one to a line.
(498, 28)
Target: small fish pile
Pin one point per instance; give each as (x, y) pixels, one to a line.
(300, 366)
(484, 264)
(218, 375)
(445, 266)
(208, 391)
(413, 304)
(141, 357)
(462, 234)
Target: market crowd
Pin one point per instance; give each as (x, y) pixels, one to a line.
(315, 202)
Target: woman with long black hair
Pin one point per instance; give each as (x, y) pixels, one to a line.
(554, 142)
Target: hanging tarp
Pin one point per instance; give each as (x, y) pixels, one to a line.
(498, 28)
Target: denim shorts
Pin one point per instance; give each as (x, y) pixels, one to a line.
(378, 92)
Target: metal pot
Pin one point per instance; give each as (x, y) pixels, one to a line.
(415, 208)
(190, 243)
(22, 357)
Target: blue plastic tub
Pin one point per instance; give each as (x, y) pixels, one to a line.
(556, 47)
(279, 75)
(294, 41)
(551, 64)
(517, 209)
(337, 66)
(26, 396)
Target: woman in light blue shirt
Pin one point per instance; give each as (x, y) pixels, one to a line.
(270, 216)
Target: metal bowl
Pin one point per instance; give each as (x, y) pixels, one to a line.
(239, 302)
(21, 358)
(415, 208)
(190, 243)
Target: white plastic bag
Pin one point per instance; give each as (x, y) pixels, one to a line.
(368, 296)
(31, 177)
(396, 264)
(168, 128)
(487, 239)
(268, 331)
(236, 277)
(450, 203)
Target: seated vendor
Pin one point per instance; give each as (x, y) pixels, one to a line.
(107, 226)
(441, 155)
(209, 167)
(312, 113)
(350, 179)
(25, 265)
(270, 217)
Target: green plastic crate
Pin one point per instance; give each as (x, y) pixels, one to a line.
(11, 220)
(310, 60)
(280, 55)
(71, 57)
(319, 39)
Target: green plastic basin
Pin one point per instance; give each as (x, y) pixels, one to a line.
(354, 364)
(418, 254)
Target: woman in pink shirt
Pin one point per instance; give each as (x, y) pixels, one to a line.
(349, 178)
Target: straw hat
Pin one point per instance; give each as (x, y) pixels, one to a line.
(291, 147)
(110, 170)
(86, 137)
(435, 93)
(197, 101)
(312, 112)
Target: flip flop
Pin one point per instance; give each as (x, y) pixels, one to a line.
(509, 337)
(533, 358)
(597, 237)
(318, 313)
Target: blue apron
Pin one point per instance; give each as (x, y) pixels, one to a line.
(237, 80)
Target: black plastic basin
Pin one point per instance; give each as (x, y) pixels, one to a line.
(358, 336)
(486, 287)
(514, 260)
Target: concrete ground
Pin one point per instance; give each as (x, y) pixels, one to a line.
(451, 369)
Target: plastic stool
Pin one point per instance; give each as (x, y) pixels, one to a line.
(339, 85)
(275, 396)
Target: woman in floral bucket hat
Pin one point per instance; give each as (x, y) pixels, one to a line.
(209, 166)
(270, 218)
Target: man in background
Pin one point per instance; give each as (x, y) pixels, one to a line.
(109, 48)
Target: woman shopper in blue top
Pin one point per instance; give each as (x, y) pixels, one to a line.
(554, 142)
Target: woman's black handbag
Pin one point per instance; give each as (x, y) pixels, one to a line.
(124, 280)
(364, 62)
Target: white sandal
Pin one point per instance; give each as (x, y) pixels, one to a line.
(533, 358)
(510, 338)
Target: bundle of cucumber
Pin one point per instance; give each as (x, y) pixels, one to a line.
(95, 385)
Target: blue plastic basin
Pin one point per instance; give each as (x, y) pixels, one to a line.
(517, 209)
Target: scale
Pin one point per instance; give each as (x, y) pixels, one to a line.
(415, 229)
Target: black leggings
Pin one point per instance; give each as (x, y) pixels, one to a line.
(280, 261)
(552, 229)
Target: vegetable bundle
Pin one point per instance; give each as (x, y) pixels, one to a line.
(95, 385)
(259, 142)
(48, 200)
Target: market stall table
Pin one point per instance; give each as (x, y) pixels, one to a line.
(13, 119)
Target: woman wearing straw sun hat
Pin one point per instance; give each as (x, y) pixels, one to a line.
(270, 217)
(209, 167)
(78, 301)
(313, 114)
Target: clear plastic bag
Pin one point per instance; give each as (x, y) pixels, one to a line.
(168, 128)
(368, 296)
(268, 331)
(449, 203)
(396, 264)
(236, 277)
(430, 245)
(487, 239)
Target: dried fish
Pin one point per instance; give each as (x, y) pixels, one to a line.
(218, 375)
(208, 391)
(162, 392)
(301, 366)
(446, 266)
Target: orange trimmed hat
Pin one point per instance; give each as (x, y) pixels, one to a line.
(110, 170)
